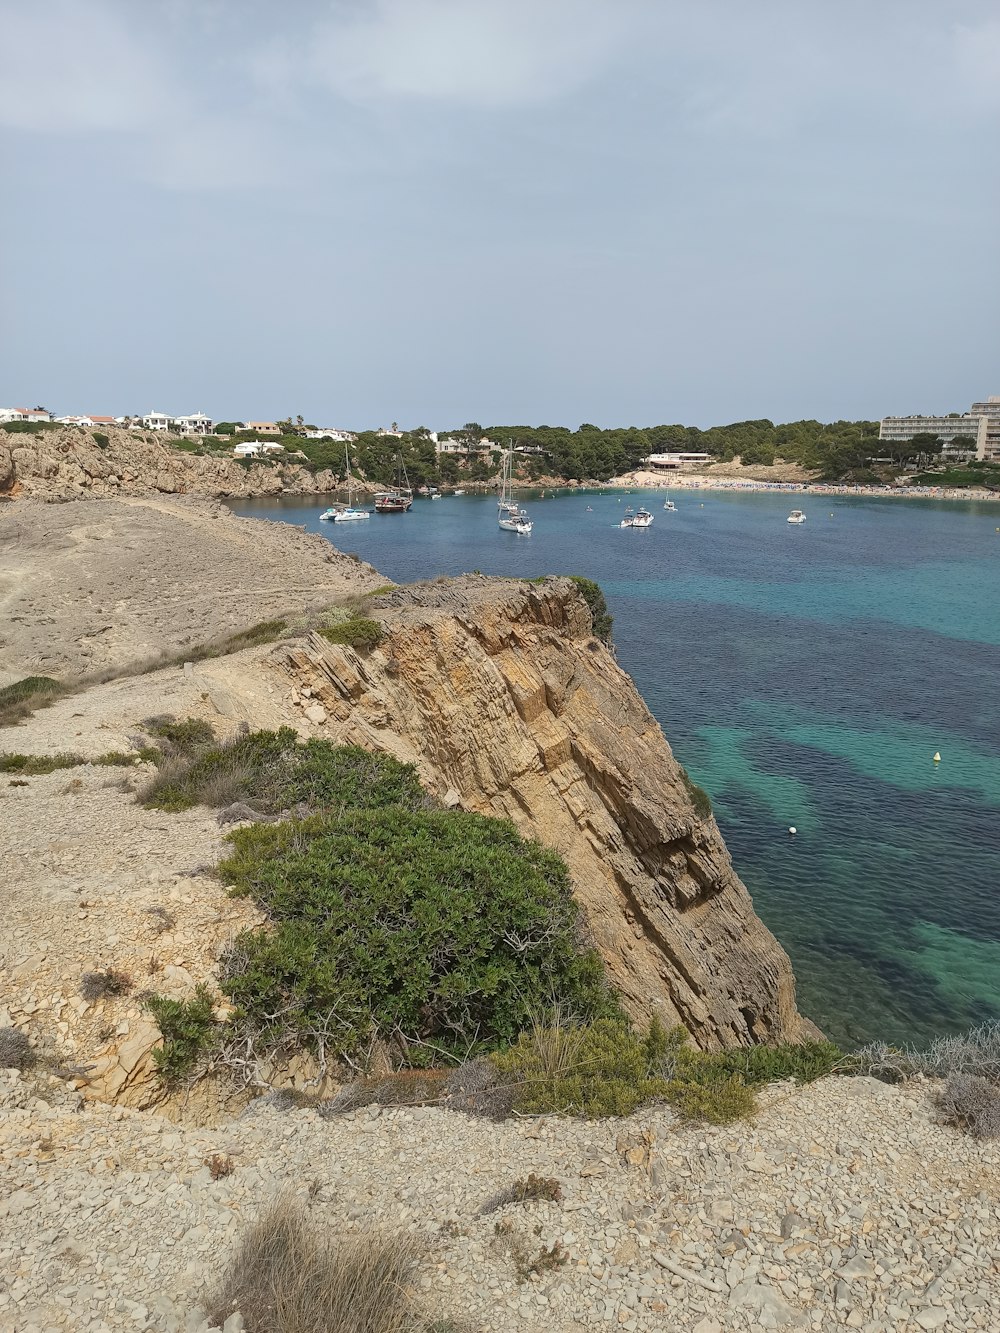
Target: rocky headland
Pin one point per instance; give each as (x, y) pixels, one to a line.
(70, 463)
(844, 1203)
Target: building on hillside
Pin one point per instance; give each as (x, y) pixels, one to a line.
(449, 445)
(674, 462)
(897, 430)
(195, 423)
(158, 421)
(330, 433)
(261, 428)
(252, 448)
(75, 421)
(24, 414)
(102, 421)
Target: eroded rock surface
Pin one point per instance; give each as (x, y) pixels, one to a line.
(499, 693)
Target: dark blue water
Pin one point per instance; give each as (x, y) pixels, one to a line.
(806, 676)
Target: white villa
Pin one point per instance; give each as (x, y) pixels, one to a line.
(251, 448)
(673, 462)
(24, 414)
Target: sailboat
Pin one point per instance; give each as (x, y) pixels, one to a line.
(400, 498)
(346, 513)
(509, 515)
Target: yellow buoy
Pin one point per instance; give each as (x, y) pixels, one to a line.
(937, 757)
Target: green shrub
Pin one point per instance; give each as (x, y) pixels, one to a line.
(32, 765)
(274, 771)
(100, 439)
(438, 931)
(24, 696)
(188, 1028)
(699, 796)
(193, 733)
(594, 597)
(118, 758)
(359, 632)
(604, 1068)
(266, 631)
(609, 1069)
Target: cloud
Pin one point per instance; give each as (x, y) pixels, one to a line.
(74, 69)
(977, 57)
(479, 53)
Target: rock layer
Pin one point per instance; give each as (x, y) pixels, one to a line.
(499, 693)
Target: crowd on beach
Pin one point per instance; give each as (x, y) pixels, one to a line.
(700, 481)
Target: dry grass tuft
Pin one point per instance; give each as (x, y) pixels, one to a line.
(287, 1277)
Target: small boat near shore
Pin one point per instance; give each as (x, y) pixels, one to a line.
(347, 513)
(400, 498)
(510, 516)
(796, 516)
(669, 506)
(641, 518)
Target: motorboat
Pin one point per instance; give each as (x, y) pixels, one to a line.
(640, 518)
(796, 516)
(346, 513)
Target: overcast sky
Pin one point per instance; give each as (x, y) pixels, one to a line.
(513, 211)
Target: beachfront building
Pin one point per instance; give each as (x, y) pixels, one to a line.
(963, 435)
(989, 443)
(674, 462)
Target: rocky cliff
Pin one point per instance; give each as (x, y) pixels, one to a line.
(72, 463)
(499, 693)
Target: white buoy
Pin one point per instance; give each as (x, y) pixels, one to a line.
(793, 830)
(937, 757)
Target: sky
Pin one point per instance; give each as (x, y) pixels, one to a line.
(624, 212)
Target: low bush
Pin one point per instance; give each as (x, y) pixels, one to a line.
(594, 597)
(118, 759)
(189, 1030)
(272, 771)
(976, 1052)
(184, 737)
(108, 985)
(700, 798)
(20, 699)
(16, 1051)
(609, 1069)
(33, 765)
(973, 1104)
(100, 439)
(436, 931)
(533, 1189)
(358, 632)
(289, 1276)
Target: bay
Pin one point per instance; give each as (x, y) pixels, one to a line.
(805, 676)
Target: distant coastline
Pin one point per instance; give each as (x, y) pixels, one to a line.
(645, 480)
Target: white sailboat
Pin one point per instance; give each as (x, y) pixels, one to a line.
(510, 516)
(346, 513)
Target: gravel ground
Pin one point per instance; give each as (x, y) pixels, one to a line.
(844, 1204)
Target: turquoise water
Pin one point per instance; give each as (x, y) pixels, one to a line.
(806, 676)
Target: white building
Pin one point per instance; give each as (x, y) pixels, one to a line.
(252, 448)
(24, 414)
(158, 421)
(897, 430)
(261, 428)
(989, 443)
(330, 433)
(195, 423)
(673, 462)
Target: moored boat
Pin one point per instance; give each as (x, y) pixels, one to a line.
(796, 516)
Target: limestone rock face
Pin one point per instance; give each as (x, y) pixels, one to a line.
(499, 693)
(70, 464)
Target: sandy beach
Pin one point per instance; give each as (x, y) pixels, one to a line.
(646, 480)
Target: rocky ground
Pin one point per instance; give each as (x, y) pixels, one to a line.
(844, 1205)
(96, 583)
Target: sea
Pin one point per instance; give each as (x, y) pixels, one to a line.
(806, 676)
